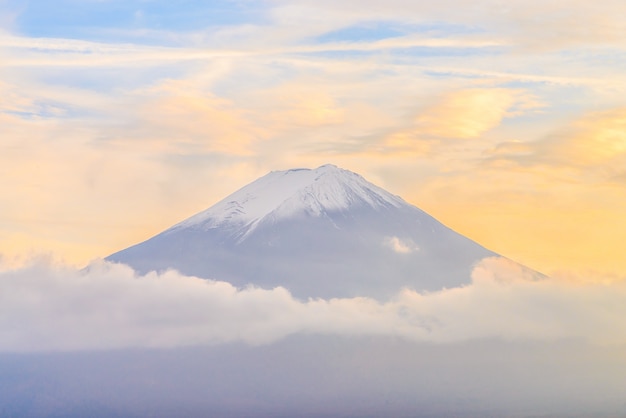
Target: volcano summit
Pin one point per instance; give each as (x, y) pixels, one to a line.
(325, 232)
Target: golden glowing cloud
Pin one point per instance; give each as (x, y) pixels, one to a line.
(469, 113)
(182, 117)
(297, 104)
(598, 138)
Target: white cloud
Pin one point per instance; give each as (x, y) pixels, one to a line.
(106, 306)
(400, 246)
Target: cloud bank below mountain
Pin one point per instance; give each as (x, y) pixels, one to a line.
(45, 307)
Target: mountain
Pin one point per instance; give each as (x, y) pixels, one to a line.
(325, 232)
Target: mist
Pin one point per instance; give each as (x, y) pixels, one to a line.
(106, 341)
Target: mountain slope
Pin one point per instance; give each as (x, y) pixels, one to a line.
(325, 232)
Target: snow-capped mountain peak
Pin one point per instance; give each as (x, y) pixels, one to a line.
(290, 193)
(325, 232)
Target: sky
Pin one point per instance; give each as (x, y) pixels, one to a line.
(505, 120)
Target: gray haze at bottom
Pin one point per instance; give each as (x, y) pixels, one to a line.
(321, 376)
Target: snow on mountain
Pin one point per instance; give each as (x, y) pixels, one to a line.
(325, 232)
(285, 194)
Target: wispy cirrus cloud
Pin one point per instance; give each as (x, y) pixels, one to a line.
(540, 24)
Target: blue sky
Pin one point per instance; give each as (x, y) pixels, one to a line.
(122, 20)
